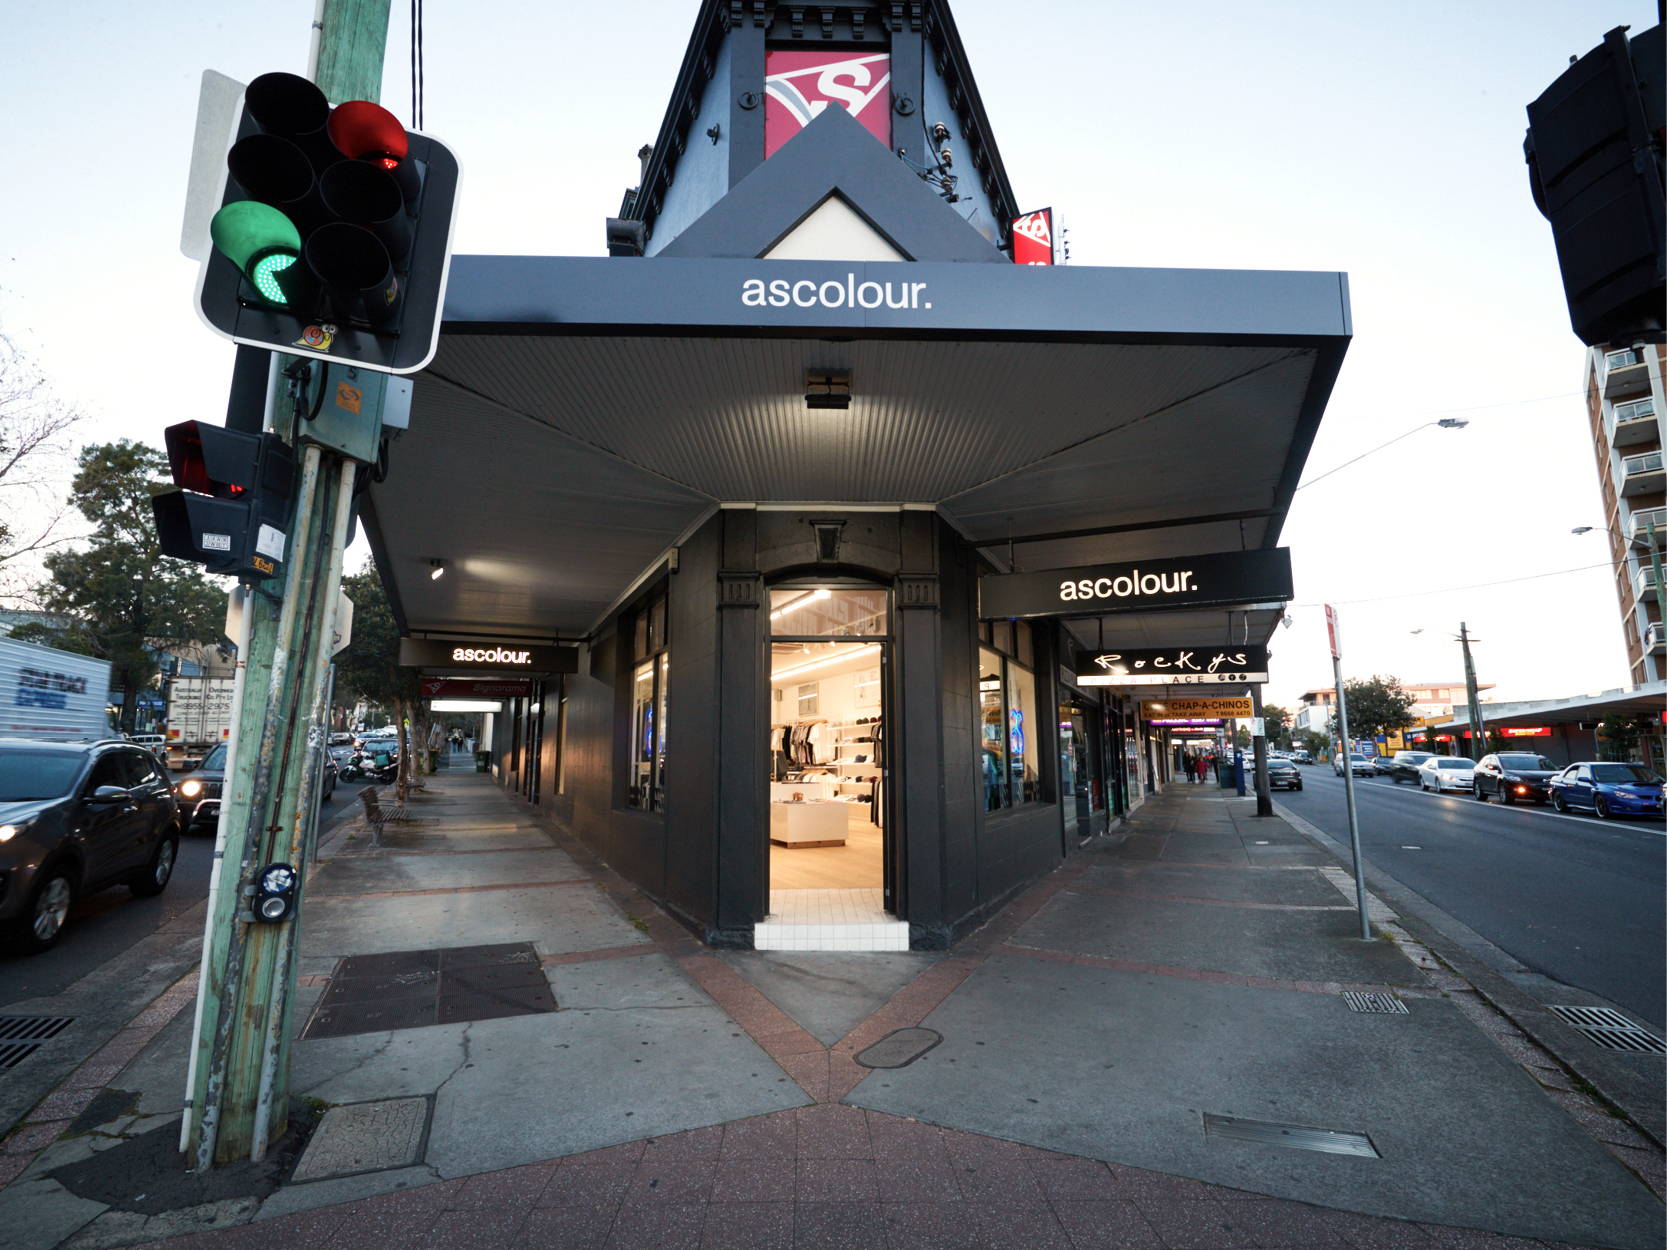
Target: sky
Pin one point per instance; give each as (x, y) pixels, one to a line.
(1381, 140)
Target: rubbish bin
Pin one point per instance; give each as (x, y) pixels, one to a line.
(483, 761)
(1224, 774)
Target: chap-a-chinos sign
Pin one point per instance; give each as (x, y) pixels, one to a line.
(1220, 579)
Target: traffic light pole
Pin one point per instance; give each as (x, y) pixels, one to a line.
(237, 1093)
(1478, 730)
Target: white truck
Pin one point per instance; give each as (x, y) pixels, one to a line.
(50, 694)
(199, 713)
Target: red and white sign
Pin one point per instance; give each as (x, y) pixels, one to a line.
(475, 688)
(1512, 731)
(1331, 632)
(1033, 238)
(798, 85)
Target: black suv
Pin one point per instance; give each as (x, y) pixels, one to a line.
(199, 789)
(1510, 776)
(76, 817)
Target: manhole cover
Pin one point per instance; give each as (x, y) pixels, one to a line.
(410, 989)
(1382, 1004)
(365, 1137)
(899, 1048)
(21, 1036)
(1294, 1136)
(1611, 1030)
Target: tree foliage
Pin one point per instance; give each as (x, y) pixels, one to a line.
(124, 600)
(1377, 705)
(368, 667)
(1278, 725)
(34, 455)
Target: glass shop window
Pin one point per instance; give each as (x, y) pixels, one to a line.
(651, 667)
(1007, 723)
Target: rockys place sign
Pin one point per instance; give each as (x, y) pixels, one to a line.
(1227, 578)
(1174, 666)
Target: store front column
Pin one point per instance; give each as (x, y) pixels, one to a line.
(913, 889)
(743, 817)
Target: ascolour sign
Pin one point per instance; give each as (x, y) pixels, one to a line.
(490, 655)
(445, 656)
(1220, 578)
(833, 293)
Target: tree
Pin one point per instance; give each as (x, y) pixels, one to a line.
(368, 668)
(1377, 705)
(1278, 725)
(124, 600)
(33, 457)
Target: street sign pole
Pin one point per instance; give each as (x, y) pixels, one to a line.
(1478, 730)
(1348, 772)
(237, 1095)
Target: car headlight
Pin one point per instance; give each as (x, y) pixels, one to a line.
(190, 789)
(8, 832)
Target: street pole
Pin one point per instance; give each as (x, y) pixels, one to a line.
(237, 1095)
(1478, 730)
(1259, 744)
(1348, 773)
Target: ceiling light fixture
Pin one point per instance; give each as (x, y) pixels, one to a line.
(832, 659)
(794, 605)
(828, 388)
(436, 570)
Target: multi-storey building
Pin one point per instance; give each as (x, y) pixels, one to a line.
(1625, 403)
(1435, 698)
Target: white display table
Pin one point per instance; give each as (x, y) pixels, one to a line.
(811, 788)
(808, 824)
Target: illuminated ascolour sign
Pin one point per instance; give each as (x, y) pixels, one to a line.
(487, 656)
(1220, 578)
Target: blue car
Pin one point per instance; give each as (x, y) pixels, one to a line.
(1607, 789)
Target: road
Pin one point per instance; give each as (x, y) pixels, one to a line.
(106, 925)
(1575, 898)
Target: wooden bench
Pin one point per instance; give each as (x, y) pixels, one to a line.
(376, 815)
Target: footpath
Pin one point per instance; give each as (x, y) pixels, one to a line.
(1177, 1041)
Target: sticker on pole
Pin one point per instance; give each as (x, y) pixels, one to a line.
(270, 542)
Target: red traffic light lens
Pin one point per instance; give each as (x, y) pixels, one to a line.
(189, 459)
(365, 131)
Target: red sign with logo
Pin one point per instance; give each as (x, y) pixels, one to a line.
(1541, 731)
(1331, 632)
(798, 85)
(474, 688)
(1033, 238)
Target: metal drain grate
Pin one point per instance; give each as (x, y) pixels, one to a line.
(21, 1036)
(1381, 1004)
(1611, 1030)
(1294, 1136)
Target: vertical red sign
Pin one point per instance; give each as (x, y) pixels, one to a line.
(1331, 631)
(1033, 238)
(798, 85)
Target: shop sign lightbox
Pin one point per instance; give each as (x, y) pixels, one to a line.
(1218, 579)
(1523, 731)
(799, 85)
(1158, 709)
(1174, 666)
(487, 654)
(1033, 238)
(475, 688)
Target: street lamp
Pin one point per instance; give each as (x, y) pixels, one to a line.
(1634, 544)
(1445, 423)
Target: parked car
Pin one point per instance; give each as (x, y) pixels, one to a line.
(1360, 765)
(1403, 765)
(1381, 764)
(76, 818)
(1284, 775)
(1513, 776)
(1441, 773)
(1608, 789)
(199, 789)
(341, 738)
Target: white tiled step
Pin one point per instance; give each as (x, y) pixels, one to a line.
(777, 935)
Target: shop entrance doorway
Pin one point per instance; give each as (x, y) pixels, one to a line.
(831, 837)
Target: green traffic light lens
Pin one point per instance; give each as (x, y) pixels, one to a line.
(264, 274)
(259, 240)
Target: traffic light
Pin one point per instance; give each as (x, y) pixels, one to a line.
(1595, 169)
(334, 233)
(232, 513)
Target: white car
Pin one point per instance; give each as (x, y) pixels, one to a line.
(1447, 772)
(1360, 765)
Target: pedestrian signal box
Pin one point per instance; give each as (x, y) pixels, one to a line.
(231, 514)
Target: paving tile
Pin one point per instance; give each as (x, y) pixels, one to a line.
(12, 1166)
(1371, 1232)
(894, 1135)
(1139, 1183)
(1196, 1224)
(1074, 1178)
(658, 1226)
(91, 1075)
(771, 1135)
(567, 1228)
(671, 1180)
(1443, 1237)
(305, 1228)
(839, 1226)
(512, 1187)
(748, 1226)
(410, 1205)
(588, 1184)
(976, 1148)
(33, 1137)
(748, 1180)
(1292, 1224)
(471, 1230)
(928, 1179)
(997, 1179)
(932, 1226)
(65, 1104)
(834, 1132)
(699, 1143)
(630, 1151)
(1002, 1226)
(1114, 1224)
(836, 1180)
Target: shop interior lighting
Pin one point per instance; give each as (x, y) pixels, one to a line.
(793, 605)
(436, 570)
(832, 659)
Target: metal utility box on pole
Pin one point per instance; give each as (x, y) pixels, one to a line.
(237, 1091)
(1478, 730)
(1332, 633)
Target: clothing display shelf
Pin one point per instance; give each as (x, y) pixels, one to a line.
(860, 738)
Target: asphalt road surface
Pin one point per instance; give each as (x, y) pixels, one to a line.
(1575, 898)
(103, 926)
